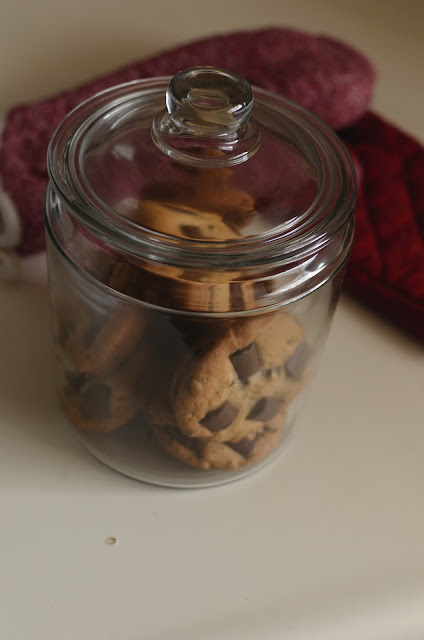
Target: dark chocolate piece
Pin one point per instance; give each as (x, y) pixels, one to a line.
(246, 361)
(191, 231)
(296, 363)
(220, 418)
(265, 409)
(95, 401)
(75, 381)
(188, 442)
(245, 446)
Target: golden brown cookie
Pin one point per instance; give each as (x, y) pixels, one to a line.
(97, 346)
(204, 190)
(188, 289)
(104, 404)
(241, 380)
(183, 221)
(207, 453)
(237, 208)
(215, 292)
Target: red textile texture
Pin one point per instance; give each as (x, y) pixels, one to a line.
(324, 75)
(386, 267)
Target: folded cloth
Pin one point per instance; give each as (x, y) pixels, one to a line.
(386, 270)
(386, 267)
(326, 76)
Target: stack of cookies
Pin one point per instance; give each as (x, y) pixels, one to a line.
(213, 390)
(215, 394)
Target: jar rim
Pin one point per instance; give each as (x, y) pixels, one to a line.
(331, 210)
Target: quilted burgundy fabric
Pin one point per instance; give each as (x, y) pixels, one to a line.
(386, 269)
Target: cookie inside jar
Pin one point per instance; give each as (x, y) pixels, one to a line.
(212, 393)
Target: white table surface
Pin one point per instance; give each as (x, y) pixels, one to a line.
(327, 543)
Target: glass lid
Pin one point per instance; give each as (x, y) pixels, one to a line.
(203, 163)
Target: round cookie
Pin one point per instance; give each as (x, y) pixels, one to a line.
(147, 281)
(182, 221)
(215, 292)
(101, 405)
(207, 453)
(236, 207)
(130, 279)
(240, 380)
(195, 289)
(205, 188)
(97, 346)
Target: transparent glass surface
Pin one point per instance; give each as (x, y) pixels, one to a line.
(177, 399)
(197, 236)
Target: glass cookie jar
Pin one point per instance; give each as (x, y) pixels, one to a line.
(197, 233)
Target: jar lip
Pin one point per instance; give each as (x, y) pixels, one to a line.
(330, 211)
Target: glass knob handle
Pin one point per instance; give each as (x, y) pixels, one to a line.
(209, 101)
(209, 107)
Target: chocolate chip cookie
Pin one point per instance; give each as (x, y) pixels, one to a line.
(240, 380)
(97, 345)
(104, 404)
(205, 190)
(182, 221)
(208, 453)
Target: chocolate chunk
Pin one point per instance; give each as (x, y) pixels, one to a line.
(193, 444)
(220, 418)
(296, 363)
(265, 409)
(245, 446)
(75, 381)
(95, 401)
(191, 231)
(246, 361)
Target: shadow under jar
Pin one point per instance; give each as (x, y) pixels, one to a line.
(197, 233)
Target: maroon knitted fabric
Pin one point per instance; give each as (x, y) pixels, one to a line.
(326, 76)
(386, 269)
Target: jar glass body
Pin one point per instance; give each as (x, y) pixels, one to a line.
(185, 375)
